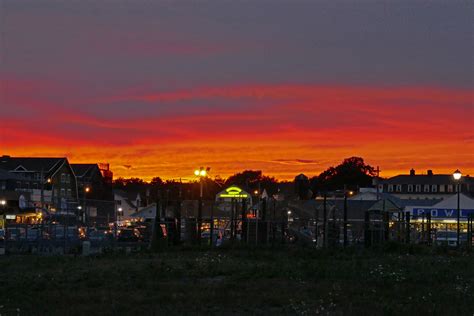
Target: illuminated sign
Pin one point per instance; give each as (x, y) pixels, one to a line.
(234, 192)
(442, 213)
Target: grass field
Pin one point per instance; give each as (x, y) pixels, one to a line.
(240, 281)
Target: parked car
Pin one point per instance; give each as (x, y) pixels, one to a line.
(35, 233)
(15, 233)
(449, 238)
(128, 235)
(57, 232)
(99, 234)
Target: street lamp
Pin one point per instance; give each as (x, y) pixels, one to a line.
(120, 213)
(201, 173)
(457, 175)
(86, 190)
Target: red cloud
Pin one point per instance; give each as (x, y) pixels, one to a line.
(266, 128)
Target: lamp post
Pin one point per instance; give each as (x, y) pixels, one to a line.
(3, 204)
(86, 190)
(201, 173)
(457, 175)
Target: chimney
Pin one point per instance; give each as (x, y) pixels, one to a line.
(412, 172)
(430, 172)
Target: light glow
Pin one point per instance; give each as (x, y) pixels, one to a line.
(457, 175)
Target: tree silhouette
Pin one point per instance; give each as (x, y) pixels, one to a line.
(352, 172)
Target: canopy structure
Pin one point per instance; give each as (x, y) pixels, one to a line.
(228, 199)
(446, 210)
(233, 193)
(387, 205)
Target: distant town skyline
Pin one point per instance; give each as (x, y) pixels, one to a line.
(162, 88)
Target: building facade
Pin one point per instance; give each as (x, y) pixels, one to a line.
(425, 186)
(49, 183)
(96, 197)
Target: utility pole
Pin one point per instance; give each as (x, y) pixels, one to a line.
(211, 234)
(178, 216)
(345, 216)
(377, 182)
(325, 220)
(244, 220)
(199, 219)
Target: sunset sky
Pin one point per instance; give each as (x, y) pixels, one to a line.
(158, 88)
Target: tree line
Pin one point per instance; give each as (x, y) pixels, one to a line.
(352, 173)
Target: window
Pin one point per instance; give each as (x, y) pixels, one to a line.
(410, 188)
(426, 188)
(68, 178)
(37, 176)
(63, 192)
(63, 178)
(434, 188)
(441, 188)
(69, 193)
(399, 188)
(450, 188)
(3, 185)
(390, 188)
(418, 188)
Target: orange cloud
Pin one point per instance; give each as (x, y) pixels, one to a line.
(283, 129)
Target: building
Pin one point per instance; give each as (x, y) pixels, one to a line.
(425, 186)
(46, 183)
(127, 203)
(95, 193)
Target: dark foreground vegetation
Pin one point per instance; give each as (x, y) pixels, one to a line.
(241, 281)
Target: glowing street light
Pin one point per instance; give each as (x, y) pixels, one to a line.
(457, 175)
(201, 173)
(3, 202)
